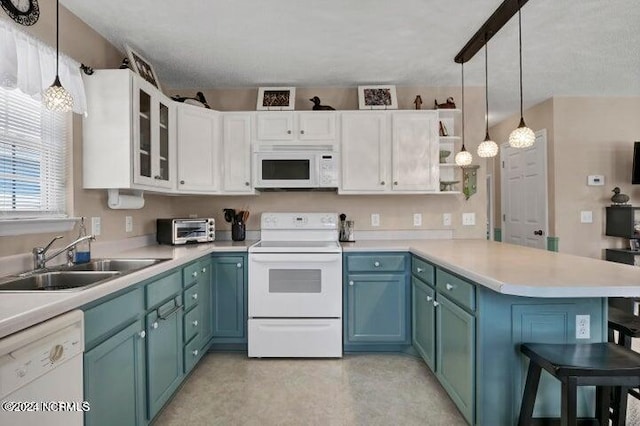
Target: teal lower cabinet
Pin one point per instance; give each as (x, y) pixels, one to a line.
(165, 354)
(423, 323)
(206, 304)
(229, 301)
(477, 336)
(114, 379)
(455, 358)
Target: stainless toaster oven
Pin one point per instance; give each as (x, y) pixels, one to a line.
(185, 231)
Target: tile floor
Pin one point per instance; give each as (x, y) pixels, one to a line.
(387, 389)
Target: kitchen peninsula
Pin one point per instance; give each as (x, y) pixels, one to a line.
(498, 294)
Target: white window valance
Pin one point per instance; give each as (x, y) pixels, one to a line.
(29, 64)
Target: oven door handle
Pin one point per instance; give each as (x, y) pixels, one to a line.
(287, 258)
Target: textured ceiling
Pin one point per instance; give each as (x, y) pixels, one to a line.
(570, 47)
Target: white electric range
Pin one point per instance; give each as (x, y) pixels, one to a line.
(295, 287)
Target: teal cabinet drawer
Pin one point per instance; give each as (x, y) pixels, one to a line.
(456, 289)
(192, 354)
(376, 263)
(192, 273)
(163, 289)
(192, 323)
(191, 296)
(109, 317)
(423, 270)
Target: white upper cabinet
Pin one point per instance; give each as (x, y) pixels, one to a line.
(415, 152)
(288, 126)
(236, 148)
(378, 160)
(129, 134)
(365, 152)
(198, 149)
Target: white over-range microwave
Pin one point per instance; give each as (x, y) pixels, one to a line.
(295, 167)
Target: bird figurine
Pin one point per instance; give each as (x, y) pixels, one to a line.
(449, 104)
(198, 100)
(418, 102)
(318, 107)
(619, 199)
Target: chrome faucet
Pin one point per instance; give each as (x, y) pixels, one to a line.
(40, 260)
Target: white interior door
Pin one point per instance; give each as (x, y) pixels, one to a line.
(524, 193)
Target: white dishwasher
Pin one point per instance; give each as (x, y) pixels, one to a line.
(41, 374)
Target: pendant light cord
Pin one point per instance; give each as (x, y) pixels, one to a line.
(463, 148)
(486, 88)
(57, 35)
(520, 50)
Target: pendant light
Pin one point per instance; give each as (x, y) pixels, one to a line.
(487, 148)
(55, 97)
(463, 158)
(522, 137)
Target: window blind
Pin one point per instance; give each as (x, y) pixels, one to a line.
(33, 143)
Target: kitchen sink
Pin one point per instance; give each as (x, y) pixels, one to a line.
(58, 280)
(117, 265)
(75, 277)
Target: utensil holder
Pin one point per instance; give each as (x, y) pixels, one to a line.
(238, 231)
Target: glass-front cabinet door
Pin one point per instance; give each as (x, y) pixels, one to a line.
(153, 132)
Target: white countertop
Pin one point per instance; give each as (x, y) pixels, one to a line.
(21, 310)
(517, 270)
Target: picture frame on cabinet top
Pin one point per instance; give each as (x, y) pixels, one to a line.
(142, 67)
(276, 98)
(377, 97)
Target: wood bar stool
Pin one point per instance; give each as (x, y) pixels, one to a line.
(628, 326)
(604, 365)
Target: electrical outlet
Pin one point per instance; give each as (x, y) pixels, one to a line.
(468, 219)
(586, 216)
(96, 226)
(417, 219)
(446, 219)
(128, 224)
(583, 326)
(375, 219)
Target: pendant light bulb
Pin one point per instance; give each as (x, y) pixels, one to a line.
(55, 97)
(488, 148)
(464, 157)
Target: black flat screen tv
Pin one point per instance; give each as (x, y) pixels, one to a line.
(635, 178)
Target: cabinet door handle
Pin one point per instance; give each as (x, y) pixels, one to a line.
(376, 264)
(195, 352)
(350, 282)
(246, 184)
(142, 334)
(171, 312)
(429, 298)
(239, 265)
(448, 286)
(395, 182)
(435, 304)
(382, 183)
(419, 270)
(288, 132)
(195, 296)
(195, 323)
(302, 132)
(181, 182)
(154, 325)
(194, 274)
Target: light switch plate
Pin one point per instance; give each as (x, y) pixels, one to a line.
(417, 219)
(375, 219)
(128, 224)
(468, 219)
(586, 216)
(96, 226)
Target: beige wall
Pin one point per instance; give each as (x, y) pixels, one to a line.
(85, 45)
(586, 136)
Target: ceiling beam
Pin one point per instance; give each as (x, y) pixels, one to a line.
(501, 16)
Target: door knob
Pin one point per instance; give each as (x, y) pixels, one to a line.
(419, 270)
(538, 232)
(302, 132)
(181, 182)
(142, 334)
(195, 296)
(239, 265)
(350, 282)
(429, 298)
(382, 183)
(448, 286)
(154, 325)
(376, 264)
(435, 304)
(195, 323)
(288, 132)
